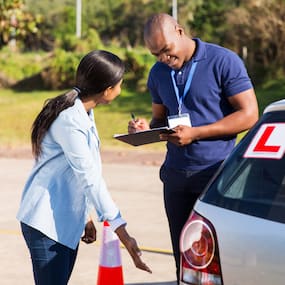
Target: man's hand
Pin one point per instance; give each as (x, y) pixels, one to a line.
(139, 124)
(183, 135)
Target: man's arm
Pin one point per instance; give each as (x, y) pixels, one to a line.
(243, 118)
(159, 117)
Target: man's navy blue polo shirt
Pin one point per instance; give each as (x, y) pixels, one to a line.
(220, 73)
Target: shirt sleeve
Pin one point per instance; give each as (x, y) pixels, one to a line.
(234, 75)
(151, 84)
(75, 142)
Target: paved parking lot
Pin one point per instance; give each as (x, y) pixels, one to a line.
(138, 193)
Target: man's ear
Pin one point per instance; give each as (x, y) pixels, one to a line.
(179, 30)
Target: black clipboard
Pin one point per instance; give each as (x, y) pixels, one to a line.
(143, 137)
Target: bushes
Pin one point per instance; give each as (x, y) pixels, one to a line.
(17, 66)
(56, 70)
(138, 64)
(61, 71)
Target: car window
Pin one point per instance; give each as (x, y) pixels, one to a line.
(254, 186)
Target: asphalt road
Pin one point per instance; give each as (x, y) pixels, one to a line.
(137, 191)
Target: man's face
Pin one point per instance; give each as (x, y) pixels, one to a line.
(167, 45)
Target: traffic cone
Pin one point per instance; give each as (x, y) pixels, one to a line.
(110, 264)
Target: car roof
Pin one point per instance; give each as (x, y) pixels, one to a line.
(275, 106)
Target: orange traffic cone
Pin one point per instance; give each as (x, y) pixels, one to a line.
(110, 265)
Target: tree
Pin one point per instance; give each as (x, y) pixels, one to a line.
(17, 25)
(209, 19)
(259, 27)
(122, 20)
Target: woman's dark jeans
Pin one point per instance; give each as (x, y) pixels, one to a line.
(52, 261)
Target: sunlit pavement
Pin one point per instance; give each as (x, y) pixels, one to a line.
(137, 191)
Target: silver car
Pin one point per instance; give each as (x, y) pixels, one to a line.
(235, 234)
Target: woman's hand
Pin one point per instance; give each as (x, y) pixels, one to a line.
(132, 247)
(90, 233)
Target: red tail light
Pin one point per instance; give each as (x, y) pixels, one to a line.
(200, 262)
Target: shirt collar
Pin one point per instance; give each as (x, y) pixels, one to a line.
(87, 118)
(200, 52)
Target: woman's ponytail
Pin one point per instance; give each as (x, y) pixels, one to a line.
(52, 108)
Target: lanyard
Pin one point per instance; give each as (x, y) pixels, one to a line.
(180, 99)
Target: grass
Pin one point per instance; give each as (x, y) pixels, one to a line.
(18, 110)
(269, 92)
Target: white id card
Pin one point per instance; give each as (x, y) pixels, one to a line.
(182, 119)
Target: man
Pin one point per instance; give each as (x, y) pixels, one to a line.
(203, 91)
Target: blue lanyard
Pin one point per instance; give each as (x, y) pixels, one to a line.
(187, 86)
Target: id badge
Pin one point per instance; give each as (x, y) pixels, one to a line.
(182, 119)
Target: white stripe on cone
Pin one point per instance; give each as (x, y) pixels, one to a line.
(110, 255)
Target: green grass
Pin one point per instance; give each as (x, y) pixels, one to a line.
(18, 110)
(269, 92)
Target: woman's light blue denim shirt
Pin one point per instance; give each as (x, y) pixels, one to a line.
(66, 180)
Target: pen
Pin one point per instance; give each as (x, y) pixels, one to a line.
(133, 117)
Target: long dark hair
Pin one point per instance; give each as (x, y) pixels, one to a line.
(96, 71)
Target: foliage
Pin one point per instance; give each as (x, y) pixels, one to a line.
(61, 21)
(121, 20)
(17, 24)
(61, 71)
(209, 20)
(92, 40)
(260, 28)
(56, 70)
(138, 64)
(254, 29)
(16, 66)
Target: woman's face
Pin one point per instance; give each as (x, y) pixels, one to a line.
(111, 93)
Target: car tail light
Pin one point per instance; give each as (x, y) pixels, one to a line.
(200, 262)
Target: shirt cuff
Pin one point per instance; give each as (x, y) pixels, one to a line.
(114, 224)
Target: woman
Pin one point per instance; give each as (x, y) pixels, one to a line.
(66, 181)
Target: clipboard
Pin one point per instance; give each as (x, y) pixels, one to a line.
(143, 137)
